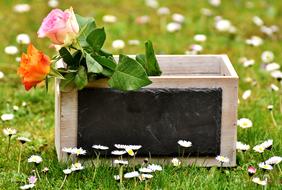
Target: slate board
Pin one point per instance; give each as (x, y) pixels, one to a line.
(154, 118)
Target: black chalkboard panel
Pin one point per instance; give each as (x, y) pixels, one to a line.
(154, 118)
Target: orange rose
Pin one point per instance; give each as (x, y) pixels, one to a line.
(34, 67)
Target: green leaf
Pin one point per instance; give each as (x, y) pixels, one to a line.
(68, 81)
(81, 79)
(82, 21)
(105, 53)
(129, 75)
(55, 73)
(106, 62)
(92, 65)
(96, 39)
(152, 66)
(141, 58)
(67, 57)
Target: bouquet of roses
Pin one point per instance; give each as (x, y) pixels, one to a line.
(79, 44)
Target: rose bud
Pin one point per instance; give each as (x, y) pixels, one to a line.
(60, 27)
(251, 170)
(34, 67)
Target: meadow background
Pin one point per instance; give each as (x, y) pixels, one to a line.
(35, 116)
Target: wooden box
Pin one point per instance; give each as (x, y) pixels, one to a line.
(195, 99)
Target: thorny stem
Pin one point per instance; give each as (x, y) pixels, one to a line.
(65, 178)
(20, 158)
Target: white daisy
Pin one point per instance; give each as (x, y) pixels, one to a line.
(145, 176)
(78, 151)
(67, 150)
(118, 44)
(45, 170)
(23, 139)
(222, 159)
(265, 166)
(35, 159)
(7, 116)
(133, 42)
(270, 107)
(76, 167)
(184, 143)
(177, 17)
(258, 181)
(223, 25)
(28, 186)
(67, 171)
(257, 21)
(143, 19)
(16, 108)
(173, 27)
(244, 123)
(24, 104)
(9, 132)
(274, 87)
(118, 152)
(1, 75)
(215, 3)
(272, 67)
(254, 41)
(206, 12)
(120, 162)
(116, 177)
(241, 146)
(267, 56)
(53, 3)
(267, 144)
(274, 160)
(23, 39)
(100, 147)
(277, 75)
(123, 146)
(155, 167)
(259, 148)
(130, 152)
(248, 62)
(131, 175)
(11, 50)
(200, 38)
(109, 19)
(266, 30)
(246, 94)
(163, 11)
(145, 170)
(152, 3)
(22, 8)
(196, 48)
(176, 162)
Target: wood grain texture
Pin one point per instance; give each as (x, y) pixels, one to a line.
(179, 71)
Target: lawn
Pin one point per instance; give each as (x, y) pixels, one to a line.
(34, 110)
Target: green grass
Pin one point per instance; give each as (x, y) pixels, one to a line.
(36, 120)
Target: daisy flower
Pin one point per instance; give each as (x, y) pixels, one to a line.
(143, 177)
(259, 182)
(120, 162)
(200, 38)
(76, 167)
(9, 132)
(176, 17)
(265, 166)
(67, 150)
(222, 159)
(257, 21)
(246, 94)
(100, 147)
(11, 50)
(277, 75)
(67, 171)
(270, 107)
(215, 3)
(131, 175)
(22, 8)
(130, 152)
(78, 151)
(176, 162)
(273, 160)
(267, 56)
(173, 27)
(241, 146)
(145, 170)
(1, 75)
(155, 167)
(133, 147)
(267, 144)
(274, 87)
(45, 170)
(184, 143)
(163, 11)
(53, 3)
(109, 19)
(23, 39)
(28, 186)
(244, 123)
(7, 117)
(118, 152)
(133, 42)
(32, 179)
(116, 177)
(259, 148)
(118, 44)
(254, 41)
(35, 159)
(23, 140)
(272, 67)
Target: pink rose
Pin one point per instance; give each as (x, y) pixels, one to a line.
(60, 26)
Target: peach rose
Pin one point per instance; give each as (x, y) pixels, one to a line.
(34, 67)
(60, 27)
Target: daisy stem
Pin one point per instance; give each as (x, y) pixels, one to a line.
(9, 144)
(36, 170)
(242, 153)
(183, 152)
(280, 103)
(20, 158)
(120, 175)
(273, 119)
(65, 178)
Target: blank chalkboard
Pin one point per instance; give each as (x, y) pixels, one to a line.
(155, 118)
